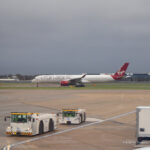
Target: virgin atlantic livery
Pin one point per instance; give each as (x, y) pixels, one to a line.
(79, 80)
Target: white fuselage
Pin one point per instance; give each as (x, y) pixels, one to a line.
(86, 79)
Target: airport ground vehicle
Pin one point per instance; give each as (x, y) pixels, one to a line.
(142, 123)
(25, 123)
(72, 116)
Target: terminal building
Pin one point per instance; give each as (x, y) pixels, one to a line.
(137, 77)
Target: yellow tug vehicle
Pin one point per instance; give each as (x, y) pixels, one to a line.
(29, 124)
(72, 116)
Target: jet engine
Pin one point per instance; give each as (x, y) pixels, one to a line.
(64, 83)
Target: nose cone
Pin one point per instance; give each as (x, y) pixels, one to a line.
(34, 81)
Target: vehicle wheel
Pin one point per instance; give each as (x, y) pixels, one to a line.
(41, 128)
(68, 122)
(137, 142)
(81, 118)
(140, 139)
(84, 117)
(51, 125)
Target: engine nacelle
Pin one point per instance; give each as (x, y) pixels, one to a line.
(64, 83)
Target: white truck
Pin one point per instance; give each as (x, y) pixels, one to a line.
(72, 116)
(25, 123)
(142, 123)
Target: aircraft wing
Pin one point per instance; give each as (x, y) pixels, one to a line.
(77, 80)
(73, 81)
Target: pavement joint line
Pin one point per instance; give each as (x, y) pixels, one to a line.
(8, 147)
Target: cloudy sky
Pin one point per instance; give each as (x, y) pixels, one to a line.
(74, 36)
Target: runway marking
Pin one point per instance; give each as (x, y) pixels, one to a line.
(8, 147)
(93, 119)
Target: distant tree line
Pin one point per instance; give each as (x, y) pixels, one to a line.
(18, 76)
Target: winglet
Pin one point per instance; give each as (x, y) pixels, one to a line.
(83, 75)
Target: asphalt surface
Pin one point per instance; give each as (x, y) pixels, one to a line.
(8, 147)
(115, 134)
(8, 104)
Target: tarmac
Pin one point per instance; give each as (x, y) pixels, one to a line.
(115, 134)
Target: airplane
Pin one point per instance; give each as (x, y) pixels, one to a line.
(79, 80)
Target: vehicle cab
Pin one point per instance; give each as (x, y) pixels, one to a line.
(72, 116)
(21, 123)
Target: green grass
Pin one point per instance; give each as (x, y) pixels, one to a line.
(102, 86)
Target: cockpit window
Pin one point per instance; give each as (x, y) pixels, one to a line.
(69, 114)
(19, 118)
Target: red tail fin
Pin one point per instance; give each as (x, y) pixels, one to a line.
(120, 73)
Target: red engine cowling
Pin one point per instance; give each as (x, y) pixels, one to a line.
(64, 83)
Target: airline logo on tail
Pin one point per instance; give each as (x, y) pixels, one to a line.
(120, 73)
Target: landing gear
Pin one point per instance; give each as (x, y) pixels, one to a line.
(79, 85)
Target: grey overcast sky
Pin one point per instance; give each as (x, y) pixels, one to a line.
(74, 36)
